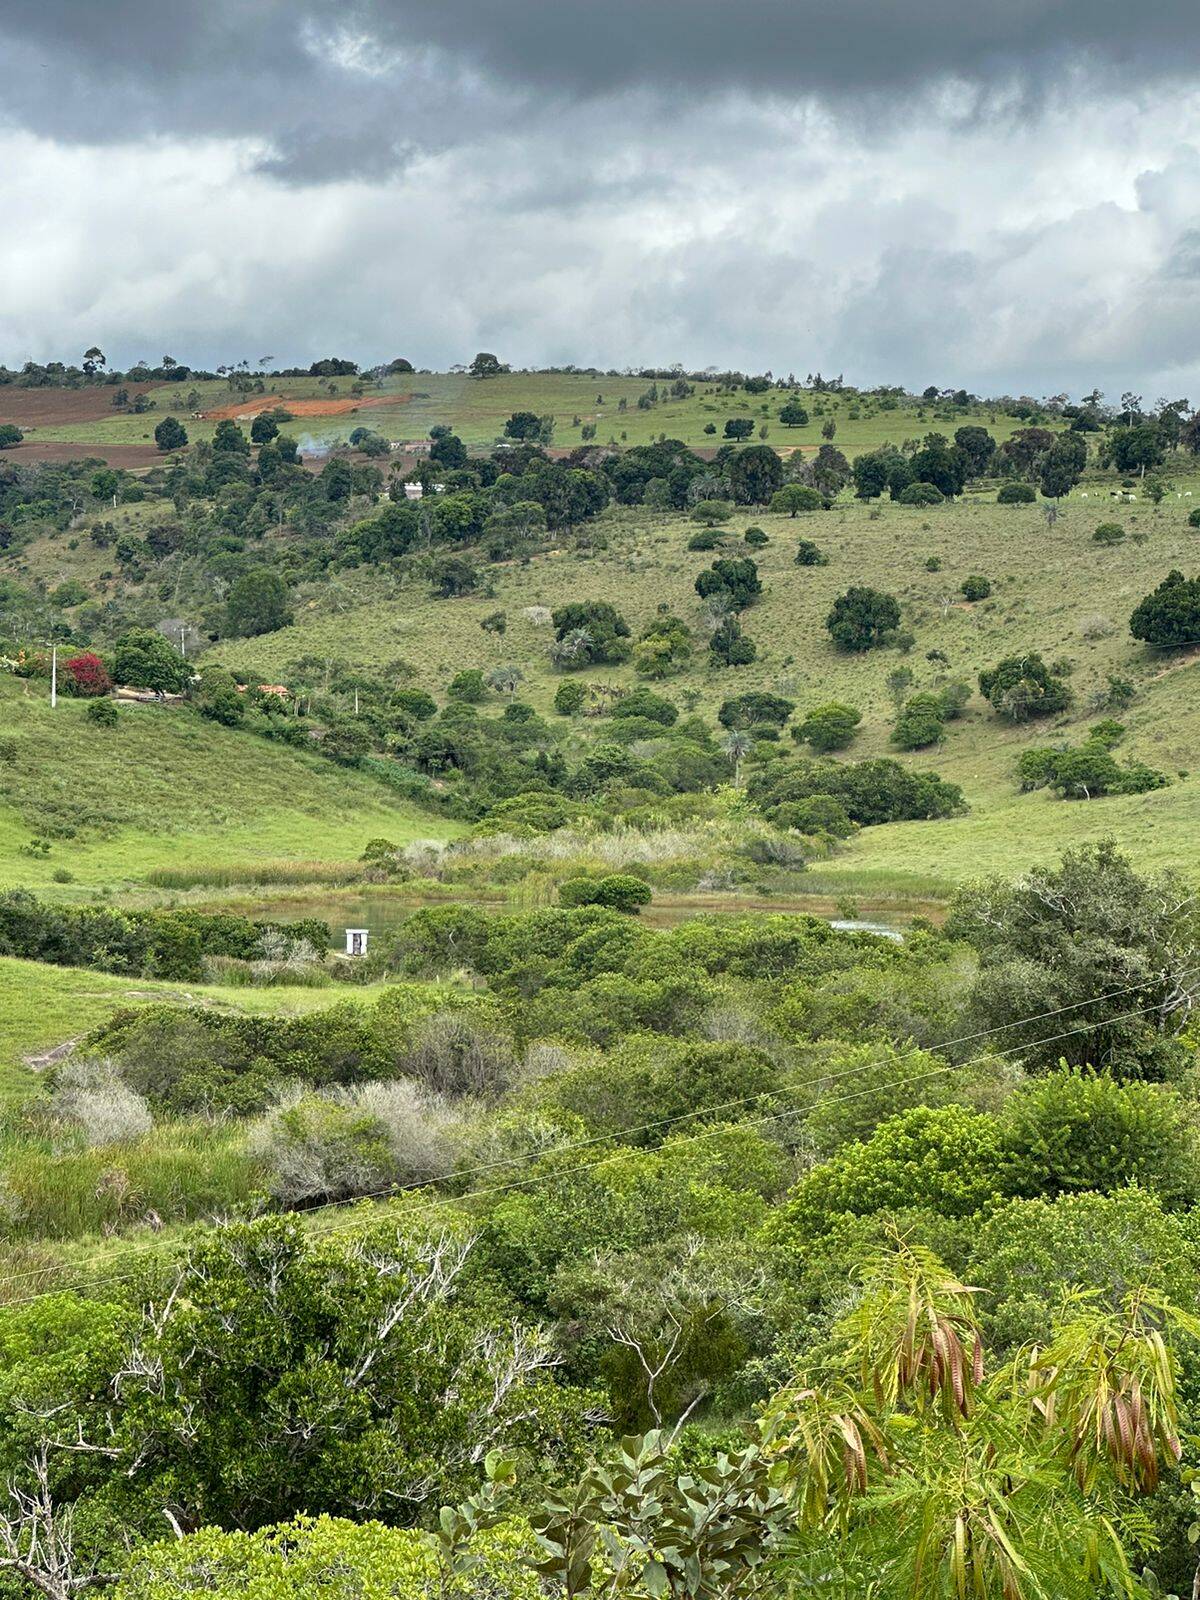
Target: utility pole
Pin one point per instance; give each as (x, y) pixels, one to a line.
(53, 676)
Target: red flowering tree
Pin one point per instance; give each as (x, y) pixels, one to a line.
(86, 675)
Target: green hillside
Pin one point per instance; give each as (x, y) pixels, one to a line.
(405, 408)
(165, 788)
(1054, 590)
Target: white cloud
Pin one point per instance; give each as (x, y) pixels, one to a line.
(1055, 249)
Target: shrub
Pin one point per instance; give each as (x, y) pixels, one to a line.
(355, 1141)
(921, 723)
(809, 554)
(103, 713)
(1073, 1131)
(1016, 494)
(976, 588)
(706, 539)
(589, 631)
(257, 604)
(452, 1055)
(1024, 686)
(1027, 1254)
(1194, 518)
(170, 434)
(950, 1160)
(1170, 614)
(828, 727)
(820, 813)
(569, 697)
(468, 686)
(93, 1096)
(1109, 533)
(415, 703)
(921, 494)
(86, 675)
(794, 498)
(756, 538)
(643, 702)
(758, 706)
(710, 512)
(862, 619)
(735, 576)
(143, 658)
(619, 891)
(871, 791)
(730, 645)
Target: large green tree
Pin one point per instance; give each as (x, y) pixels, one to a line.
(257, 603)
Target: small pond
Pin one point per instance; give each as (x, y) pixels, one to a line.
(381, 911)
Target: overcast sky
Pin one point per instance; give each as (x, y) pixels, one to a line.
(1004, 196)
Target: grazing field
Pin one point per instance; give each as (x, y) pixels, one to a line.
(406, 407)
(1054, 590)
(46, 1006)
(166, 789)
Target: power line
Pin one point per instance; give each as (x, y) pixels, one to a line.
(625, 1152)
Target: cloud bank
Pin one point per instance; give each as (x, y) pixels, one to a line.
(1002, 197)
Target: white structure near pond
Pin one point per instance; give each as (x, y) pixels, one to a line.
(356, 941)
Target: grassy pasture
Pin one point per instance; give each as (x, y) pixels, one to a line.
(405, 408)
(1053, 590)
(43, 1006)
(165, 789)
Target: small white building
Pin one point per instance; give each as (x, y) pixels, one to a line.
(413, 491)
(356, 941)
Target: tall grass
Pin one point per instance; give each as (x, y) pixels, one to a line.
(258, 874)
(176, 1173)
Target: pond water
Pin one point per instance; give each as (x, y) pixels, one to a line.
(381, 911)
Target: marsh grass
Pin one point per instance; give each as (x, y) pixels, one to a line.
(60, 1189)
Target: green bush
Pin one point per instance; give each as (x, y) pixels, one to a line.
(1016, 494)
(618, 891)
(976, 588)
(569, 697)
(921, 494)
(1073, 1131)
(809, 554)
(103, 713)
(862, 618)
(828, 727)
(949, 1159)
(1108, 533)
(706, 539)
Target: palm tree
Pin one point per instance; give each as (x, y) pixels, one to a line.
(505, 680)
(736, 745)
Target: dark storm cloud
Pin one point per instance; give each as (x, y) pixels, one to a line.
(342, 89)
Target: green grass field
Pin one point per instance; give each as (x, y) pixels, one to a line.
(1053, 590)
(165, 789)
(43, 1006)
(477, 411)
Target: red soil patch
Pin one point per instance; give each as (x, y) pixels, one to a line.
(245, 409)
(131, 456)
(59, 408)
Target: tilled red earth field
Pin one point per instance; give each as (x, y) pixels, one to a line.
(59, 408)
(33, 451)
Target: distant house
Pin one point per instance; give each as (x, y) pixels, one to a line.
(413, 491)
